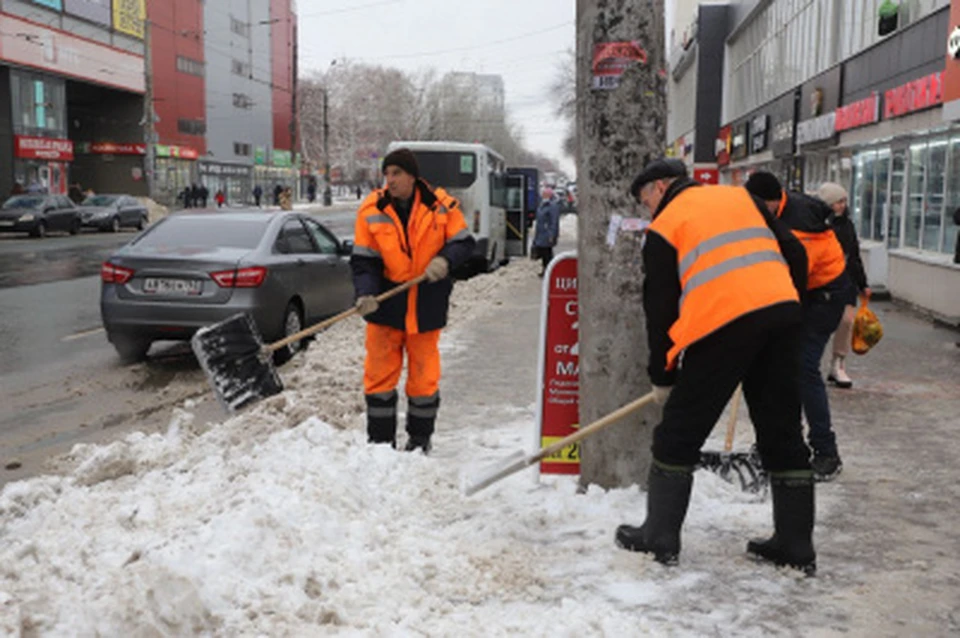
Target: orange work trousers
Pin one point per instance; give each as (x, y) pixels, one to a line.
(384, 361)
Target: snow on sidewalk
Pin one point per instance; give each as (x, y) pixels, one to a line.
(283, 521)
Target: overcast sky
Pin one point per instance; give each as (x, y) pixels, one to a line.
(521, 40)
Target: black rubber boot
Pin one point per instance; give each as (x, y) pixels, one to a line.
(382, 418)
(421, 418)
(793, 512)
(667, 499)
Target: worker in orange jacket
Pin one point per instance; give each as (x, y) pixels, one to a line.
(403, 231)
(828, 288)
(721, 299)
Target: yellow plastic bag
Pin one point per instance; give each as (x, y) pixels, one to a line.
(867, 330)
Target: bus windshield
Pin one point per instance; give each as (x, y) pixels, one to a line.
(448, 169)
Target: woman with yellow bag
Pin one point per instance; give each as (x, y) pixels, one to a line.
(836, 198)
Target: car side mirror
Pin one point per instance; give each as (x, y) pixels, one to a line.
(346, 248)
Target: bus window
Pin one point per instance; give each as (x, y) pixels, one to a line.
(498, 190)
(448, 169)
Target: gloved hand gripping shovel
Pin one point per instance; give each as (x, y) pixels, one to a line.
(240, 367)
(519, 460)
(742, 467)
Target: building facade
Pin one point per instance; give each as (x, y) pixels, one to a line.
(853, 92)
(74, 76)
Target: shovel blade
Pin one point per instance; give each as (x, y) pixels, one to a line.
(743, 468)
(232, 356)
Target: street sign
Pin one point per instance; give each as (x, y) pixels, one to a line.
(558, 387)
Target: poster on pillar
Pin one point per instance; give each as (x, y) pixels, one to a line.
(951, 70)
(558, 390)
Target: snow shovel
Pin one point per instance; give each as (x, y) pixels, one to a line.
(744, 467)
(519, 460)
(239, 365)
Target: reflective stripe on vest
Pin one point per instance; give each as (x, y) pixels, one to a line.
(728, 261)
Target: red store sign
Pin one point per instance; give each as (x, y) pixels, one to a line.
(558, 397)
(723, 145)
(109, 148)
(913, 96)
(856, 114)
(42, 148)
(706, 175)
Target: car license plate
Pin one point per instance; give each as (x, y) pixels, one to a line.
(6, 223)
(181, 287)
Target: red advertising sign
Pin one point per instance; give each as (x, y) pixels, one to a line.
(723, 145)
(558, 400)
(913, 96)
(110, 148)
(706, 175)
(611, 59)
(856, 114)
(43, 148)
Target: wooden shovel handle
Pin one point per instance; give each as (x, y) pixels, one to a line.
(583, 433)
(317, 327)
(732, 425)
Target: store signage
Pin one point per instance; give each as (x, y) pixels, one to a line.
(179, 152)
(36, 46)
(758, 133)
(722, 146)
(558, 392)
(110, 148)
(816, 129)
(43, 148)
(611, 59)
(913, 96)
(283, 159)
(129, 17)
(93, 10)
(953, 44)
(738, 141)
(224, 169)
(782, 132)
(860, 113)
(706, 175)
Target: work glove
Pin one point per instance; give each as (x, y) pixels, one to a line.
(437, 269)
(661, 393)
(367, 304)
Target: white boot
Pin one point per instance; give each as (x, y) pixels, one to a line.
(838, 373)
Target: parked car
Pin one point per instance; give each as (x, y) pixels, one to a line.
(113, 212)
(39, 214)
(191, 270)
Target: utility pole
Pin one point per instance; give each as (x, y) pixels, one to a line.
(327, 191)
(148, 132)
(621, 124)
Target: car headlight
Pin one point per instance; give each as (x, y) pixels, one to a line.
(26, 218)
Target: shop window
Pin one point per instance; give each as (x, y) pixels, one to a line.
(898, 174)
(934, 203)
(953, 197)
(864, 194)
(916, 185)
(881, 173)
(39, 104)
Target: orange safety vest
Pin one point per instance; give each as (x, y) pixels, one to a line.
(728, 261)
(435, 219)
(825, 258)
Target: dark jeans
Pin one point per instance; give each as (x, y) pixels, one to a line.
(821, 319)
(546, 256)
(761, 350)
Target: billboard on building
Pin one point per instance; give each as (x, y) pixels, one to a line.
(129, 16)
(93, 10)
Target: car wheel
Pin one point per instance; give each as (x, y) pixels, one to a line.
(40, 231)
(142, 222)
(292, 323)
(130, 348)
(75, 227)
(115, 225)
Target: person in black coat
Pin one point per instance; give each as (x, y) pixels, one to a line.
(835, 196)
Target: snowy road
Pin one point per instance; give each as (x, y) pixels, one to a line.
(60, 380)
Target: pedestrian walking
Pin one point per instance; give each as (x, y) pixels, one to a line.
(220, 198)
(277, 190)
(312, 192)
(359, 191)
(195, 196)
(835, 196)
(722, 304)
(547, 229)
(204, 195)
(257, 194)
(75, 193)
(402, 231)
(828, 289)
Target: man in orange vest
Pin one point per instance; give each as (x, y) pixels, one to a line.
(402, 231)
(721, 301)
(828, 288)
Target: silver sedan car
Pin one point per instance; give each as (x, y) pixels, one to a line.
(191, 270)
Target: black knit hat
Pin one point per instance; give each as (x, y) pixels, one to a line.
(662, 168)
(403, 158)
(764, 185)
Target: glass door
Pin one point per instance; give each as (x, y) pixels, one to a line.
(934, 201)
(916, 184)
(881, 186)
(898, 174)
